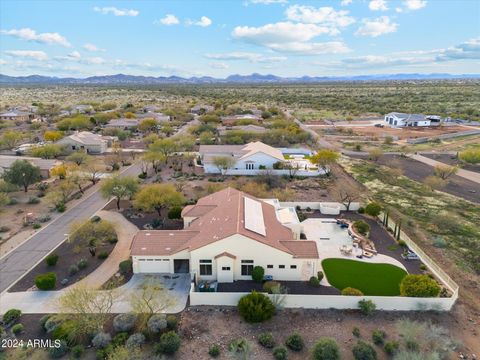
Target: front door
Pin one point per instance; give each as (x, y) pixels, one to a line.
(181, 266)
(225, 269)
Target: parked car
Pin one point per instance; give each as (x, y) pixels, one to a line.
(379, 125)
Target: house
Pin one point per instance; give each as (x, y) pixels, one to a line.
(84, 140)
(252, 156)
(233, 119)
(17, 115)
(225, 235)
(395, 119)
(160, 117)
(202, 109)
(45, 165)
(82, 109)
(123, 123)
(223, 130)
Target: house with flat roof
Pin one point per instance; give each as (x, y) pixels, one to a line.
(87, 141)
(225, 235)
(395, 119)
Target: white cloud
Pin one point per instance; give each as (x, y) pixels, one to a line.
(169, 20)
(378, 5)
(219, 65)
(203, 22)
(115, 11)
(75, 55)
(415, 4)
(31, 35)
(376, 27)
(93, 61)
(312, 48)
(32, 54)
(249, 56)
(3, 62)
(92, 48)
(323, 15)
(346, 2)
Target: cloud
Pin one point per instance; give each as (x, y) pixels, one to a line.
(31, 35)
(266, 2)
(415, 4)
(376, 27)
(323, 15)
(345, 2)
(31, 54)
(3, 62)
(378, 5)
(75, 56)
(169, 20)
(115, 11)
(219, 65)
(249, 56)
(203, 22)
(92, 48)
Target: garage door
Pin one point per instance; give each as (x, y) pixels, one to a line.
(153, 265)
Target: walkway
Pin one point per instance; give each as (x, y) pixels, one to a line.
(20, 260)
(466, 174)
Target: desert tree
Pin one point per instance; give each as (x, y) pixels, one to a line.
(22, 173)
(78, 157)
(223, 163)
(157, 197)
(324, 158)
(346, 197)
(445, 171)
(119, 188)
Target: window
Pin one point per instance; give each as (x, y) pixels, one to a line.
(250, 166)
(293, 266)
(226, 268)
(247, 267)
(205, 267)
(269, 266)
(281, 266)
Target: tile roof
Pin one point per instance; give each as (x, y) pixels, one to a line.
(163, 242)
(239, 151)
(86, 137)
(227, 254)
(302, 248)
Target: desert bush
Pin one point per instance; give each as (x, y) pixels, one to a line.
(349, 291)
(52, 323)
(43, 320)
(72, 269)
(58, 352)
(77, 351)
(33, 200)
(367, 307)
(356, 332)
(362, 227)
(373, 209)
(378, 336)
(11, 316)
(135, 341)
(46, 281)
(320, 275)
(172, 322)
(82, 264)
(101, 340)
(256, 307)
(36, 226)
(120, 339)
(326, 349)
(51, 259)
(280, 353)
(239, 348)
(157, 323)
(295, 342)
(214, 351)
(103, 255)
(314, 282)
(169, 343)
(175, 213)
(419, 286)
(17, 329)
(125, 266)
(258, 273)
(124, 322)
(266, 340)
(364, 351)
(269, 286)
(391, 347)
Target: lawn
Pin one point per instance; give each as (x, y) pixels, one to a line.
(369, 278)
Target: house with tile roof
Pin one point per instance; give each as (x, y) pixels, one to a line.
(86, 141)
(395, 119)
(225, 235)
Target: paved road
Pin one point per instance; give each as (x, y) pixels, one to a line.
(17, 262)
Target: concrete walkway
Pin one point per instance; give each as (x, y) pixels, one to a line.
(125, 233)
(466, 174)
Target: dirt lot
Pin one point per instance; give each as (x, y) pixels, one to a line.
(453, 160)
(406, 133)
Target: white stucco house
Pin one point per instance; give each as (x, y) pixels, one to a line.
(395, 119)
(225, 235)
(87, 141)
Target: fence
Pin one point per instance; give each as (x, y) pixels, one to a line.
(245, 172)
(329, 208)
(442, 137)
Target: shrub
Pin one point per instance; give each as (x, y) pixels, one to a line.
(60, 207)
(101, 340)
(44, 218)
(214, 351)
(36, 226)
(43, 320)
(46, 281)
(64, 282)
(326, 349)
(356, 332)
(157, 323)
(142, 176)
(77, 351)
(124, 322)
(82, 264)
(33, 200)
(58, 352)
(17, 329)
(266, 340)
(378, 336)
(362, 227)
(349, 291)
(11, 315)
(168, 344)
(402, 243)
(112, 240)
(72, 269)
(320, 275)
(135, 341)
(125, 266)
(51, 259)
(280, 353)
(239, 348)
(270, 285)
(367, 307)
(4, 229)
(373, 209)
(258, 273)
(295, 342)
(364, 351)
(391, 347)
(172, 322)
(175, 213)
(52, 323)
(361, 210)
(103, 255)
(314, 282)
(63, 331)
(419, 286)
(256, 307)
(120, 339)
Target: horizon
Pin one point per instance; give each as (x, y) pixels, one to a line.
(283, 37)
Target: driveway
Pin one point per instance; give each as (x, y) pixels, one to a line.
(40, 302)
(20, 260)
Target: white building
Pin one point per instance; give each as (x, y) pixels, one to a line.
(202, 109)
(225, 236)
(395, 119)
(84, 140)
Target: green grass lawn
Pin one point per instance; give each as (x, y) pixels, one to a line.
(369, 278)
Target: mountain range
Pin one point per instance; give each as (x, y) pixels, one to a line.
(255, 78)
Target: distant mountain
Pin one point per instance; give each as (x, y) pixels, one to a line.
(255, 78)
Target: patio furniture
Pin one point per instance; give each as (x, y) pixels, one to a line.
(367, 254)
(267, 278)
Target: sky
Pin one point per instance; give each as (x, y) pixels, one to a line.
(75, 38)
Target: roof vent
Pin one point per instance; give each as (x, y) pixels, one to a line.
(147, 234)
(171, 234)
(144, 248)
(168, 249)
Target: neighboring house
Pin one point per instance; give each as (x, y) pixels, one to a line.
(45, 165)
(201, 109)
(252, 156)
(82, 109)
(17, 115)
(395, 119)
(225, 235)
(223, 130)
(122, 123)
(160, 117)
(232, 120)
(84, 140)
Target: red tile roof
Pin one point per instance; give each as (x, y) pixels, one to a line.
(160, 242)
